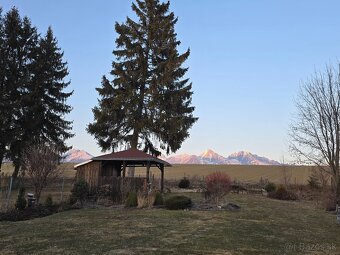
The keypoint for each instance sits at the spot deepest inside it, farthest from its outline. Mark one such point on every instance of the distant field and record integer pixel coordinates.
(69, 172)
(299, 174)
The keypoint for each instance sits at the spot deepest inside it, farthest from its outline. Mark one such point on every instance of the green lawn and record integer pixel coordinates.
(263, 226)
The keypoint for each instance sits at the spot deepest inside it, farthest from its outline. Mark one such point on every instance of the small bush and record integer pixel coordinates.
(80, 191)
(49, 201)
(217, 186)
(104, 191)
(159, 199)
(282, 194)
(178, 203)
(314, 183)
(270, 187)
(131, 200)
(21, 203)
(184, 183)
(328, 201)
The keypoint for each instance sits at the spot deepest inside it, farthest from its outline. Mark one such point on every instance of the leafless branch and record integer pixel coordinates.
(40, 165)
(315, 137)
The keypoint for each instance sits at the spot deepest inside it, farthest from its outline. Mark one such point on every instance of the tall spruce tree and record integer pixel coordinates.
(148, 102)
(32, 100)
(48, 84)
(18, 42)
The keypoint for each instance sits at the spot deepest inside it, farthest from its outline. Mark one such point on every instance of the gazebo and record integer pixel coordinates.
(114, 164)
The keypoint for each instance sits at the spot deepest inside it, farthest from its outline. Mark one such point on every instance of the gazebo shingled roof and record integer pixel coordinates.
(130, 155)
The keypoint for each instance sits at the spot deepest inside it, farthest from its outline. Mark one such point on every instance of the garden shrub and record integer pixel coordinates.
(131, 200)
(270, 187)
(159, 199)
(29, 213)
(104, 191)
(282, 194)
(328, 201)
(49, 201)
(217, 186)
(184, 183)
(178, 203)
(80, 191)
(314, 183)
(21, 202)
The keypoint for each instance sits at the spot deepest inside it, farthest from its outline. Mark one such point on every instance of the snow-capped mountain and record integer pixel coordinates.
(247, 158)
(77, 156)
(183, 159)
(213, 158)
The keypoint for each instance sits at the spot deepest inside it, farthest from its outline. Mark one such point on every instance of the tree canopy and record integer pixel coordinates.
(147, 104)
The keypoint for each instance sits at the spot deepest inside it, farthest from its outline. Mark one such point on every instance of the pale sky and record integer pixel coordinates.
(247, 61)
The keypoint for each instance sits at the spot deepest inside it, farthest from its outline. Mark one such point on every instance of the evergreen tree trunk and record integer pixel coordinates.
(134, 145)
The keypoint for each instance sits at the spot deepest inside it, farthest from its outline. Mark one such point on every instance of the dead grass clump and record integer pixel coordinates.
(141, 200)
(151, 199)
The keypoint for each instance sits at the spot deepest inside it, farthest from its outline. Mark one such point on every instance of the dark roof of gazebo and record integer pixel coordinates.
(130, 155)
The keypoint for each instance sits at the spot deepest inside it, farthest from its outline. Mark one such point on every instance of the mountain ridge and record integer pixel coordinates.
(211, 157)
(208, 157)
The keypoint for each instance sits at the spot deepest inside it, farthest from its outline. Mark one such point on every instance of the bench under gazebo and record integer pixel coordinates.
(99, 170)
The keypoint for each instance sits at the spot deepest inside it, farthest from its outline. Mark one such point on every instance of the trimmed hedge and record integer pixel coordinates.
(178, 203)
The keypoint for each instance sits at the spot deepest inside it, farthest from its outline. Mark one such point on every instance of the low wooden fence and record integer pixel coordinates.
(118, 187)
(59, 190)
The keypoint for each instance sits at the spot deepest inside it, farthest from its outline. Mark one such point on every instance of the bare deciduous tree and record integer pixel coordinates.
(40, 165)
(315, 134)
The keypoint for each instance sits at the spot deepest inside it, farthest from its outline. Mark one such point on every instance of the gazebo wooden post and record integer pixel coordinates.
(148, 172)
(124, 168)
(162, 177)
